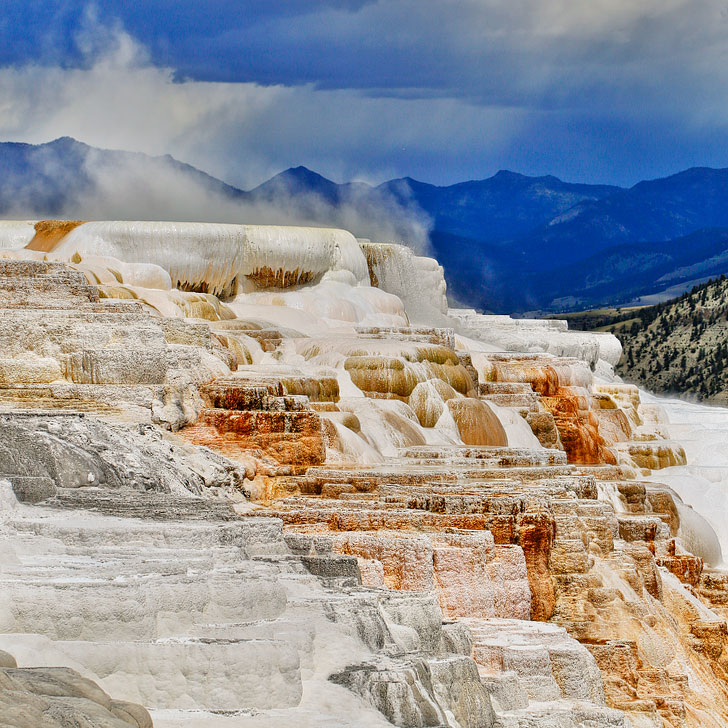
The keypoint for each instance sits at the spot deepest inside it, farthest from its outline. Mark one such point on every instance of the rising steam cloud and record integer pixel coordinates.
(118, 98)
(74, 181)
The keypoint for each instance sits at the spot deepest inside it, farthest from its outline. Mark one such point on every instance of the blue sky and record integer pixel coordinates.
(441, 90)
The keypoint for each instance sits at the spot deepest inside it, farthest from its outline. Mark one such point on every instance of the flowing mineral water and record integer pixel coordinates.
(703, 483)
(417, 281)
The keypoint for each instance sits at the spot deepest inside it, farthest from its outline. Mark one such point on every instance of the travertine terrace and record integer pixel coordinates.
(263, 476)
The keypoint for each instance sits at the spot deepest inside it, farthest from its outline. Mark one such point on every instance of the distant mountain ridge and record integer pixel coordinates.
(500, 208)
(626, 272)
(661, 209)
(42, 177)
(509, 242)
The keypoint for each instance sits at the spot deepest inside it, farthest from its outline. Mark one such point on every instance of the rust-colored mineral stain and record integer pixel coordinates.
(266, 277)
(375, 255)
(578, 429)
(290, 438)
(48, 233)
(537, 530)
(544, 379)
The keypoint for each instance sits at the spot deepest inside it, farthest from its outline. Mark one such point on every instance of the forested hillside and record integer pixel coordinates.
(680, 346)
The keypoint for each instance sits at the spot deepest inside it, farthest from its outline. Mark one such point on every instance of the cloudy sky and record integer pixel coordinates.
(440, 90)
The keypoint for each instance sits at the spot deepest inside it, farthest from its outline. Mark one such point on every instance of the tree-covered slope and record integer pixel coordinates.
(680, 346)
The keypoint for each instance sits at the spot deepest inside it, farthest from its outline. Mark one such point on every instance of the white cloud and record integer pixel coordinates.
(121, 101)
(243, 132)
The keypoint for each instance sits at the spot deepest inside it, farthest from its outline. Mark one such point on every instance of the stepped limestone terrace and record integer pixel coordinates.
(263, 476)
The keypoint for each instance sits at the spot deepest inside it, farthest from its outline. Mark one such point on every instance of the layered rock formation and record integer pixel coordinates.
(53, 697)
(239, 488)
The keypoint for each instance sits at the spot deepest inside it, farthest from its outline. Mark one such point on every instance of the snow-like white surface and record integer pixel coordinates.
(551, 336)
(703, 483)
(419, 281)
(218, 255)
(16, 234)
(172, 616)
(337, 299)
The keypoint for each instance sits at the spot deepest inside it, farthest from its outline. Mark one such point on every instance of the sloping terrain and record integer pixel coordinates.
(661, 209)
(627, 272)
(680, 346)
(238, 487)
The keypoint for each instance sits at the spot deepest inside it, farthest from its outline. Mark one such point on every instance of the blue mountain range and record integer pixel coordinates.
(508, 243)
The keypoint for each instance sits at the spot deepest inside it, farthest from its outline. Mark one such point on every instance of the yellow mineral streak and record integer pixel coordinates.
(428, 400)
(477, 423)
(49, 233)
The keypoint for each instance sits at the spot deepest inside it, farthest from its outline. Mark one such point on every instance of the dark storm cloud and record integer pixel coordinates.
(538, 53)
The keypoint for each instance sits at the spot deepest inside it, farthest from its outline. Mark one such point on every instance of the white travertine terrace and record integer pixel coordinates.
(318, 271)
(333, 302)
(220, 256)
(183, 645)
(418, 281)
(432, 483)
(702, 482)
(16, 234)
(539, 335)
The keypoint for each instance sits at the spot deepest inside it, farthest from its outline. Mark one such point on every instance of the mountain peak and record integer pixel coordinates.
(295, 180)
(303, 174)
(508, 174)
(65, 142)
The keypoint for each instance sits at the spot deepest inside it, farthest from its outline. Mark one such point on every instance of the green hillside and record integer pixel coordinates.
(679, 346)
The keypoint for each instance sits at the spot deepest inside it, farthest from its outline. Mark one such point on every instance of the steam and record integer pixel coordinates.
(118, 98)
(106, 185)
(243, 133)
